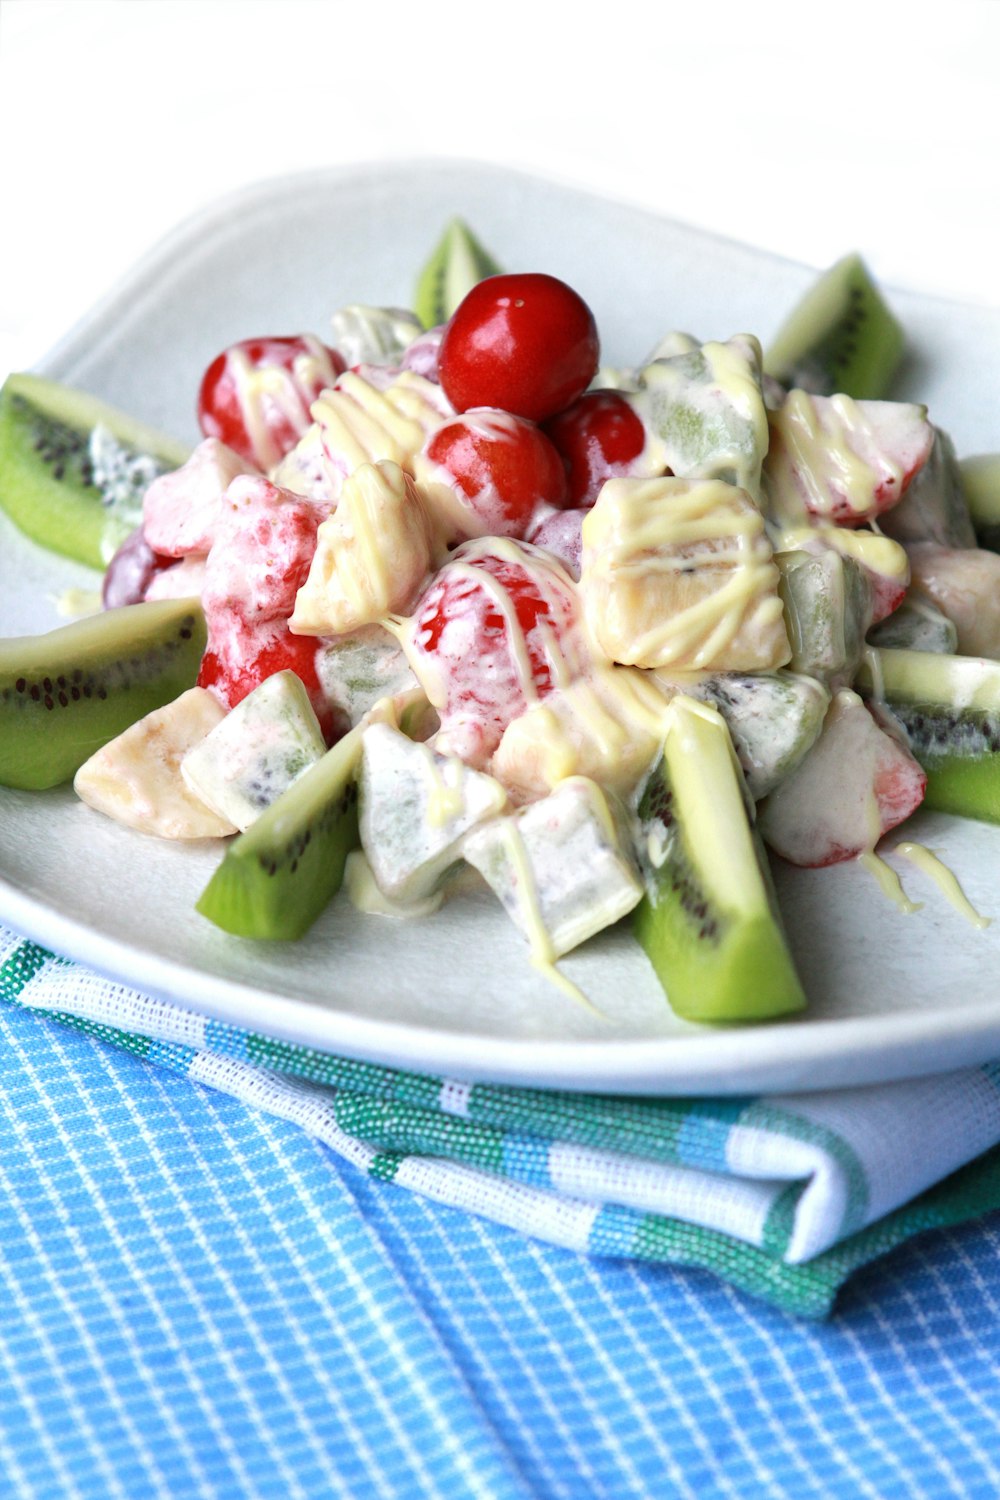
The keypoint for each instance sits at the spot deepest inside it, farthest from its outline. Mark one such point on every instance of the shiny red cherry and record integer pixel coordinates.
(526, 343)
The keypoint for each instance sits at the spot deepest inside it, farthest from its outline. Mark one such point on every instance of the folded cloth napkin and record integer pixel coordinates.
(782, 1196)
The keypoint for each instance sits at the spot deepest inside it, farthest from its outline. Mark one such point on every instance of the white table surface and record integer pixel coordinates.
(808, 132)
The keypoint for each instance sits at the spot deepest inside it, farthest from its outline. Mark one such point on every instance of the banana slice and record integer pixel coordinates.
(371, 555)
(136, 778)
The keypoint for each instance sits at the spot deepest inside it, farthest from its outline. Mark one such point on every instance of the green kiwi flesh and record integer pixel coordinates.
(949, 707)
(66, 693)
(278, 877)
(458, 262)
(980, 476)
(48, 484)
(841, 338)
(709, 920)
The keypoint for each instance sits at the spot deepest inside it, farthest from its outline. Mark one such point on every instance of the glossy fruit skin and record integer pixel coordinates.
(131, 570)
(502, 468)
(599, 437)
(526, 343)
(223, 410)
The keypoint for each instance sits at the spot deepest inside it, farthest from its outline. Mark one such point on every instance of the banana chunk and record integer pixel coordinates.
(372, 554)
(136, 778)
(607, 726)
(679, 573)
(360, 422)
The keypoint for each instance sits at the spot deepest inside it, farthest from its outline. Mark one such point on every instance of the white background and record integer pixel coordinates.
(802, 128)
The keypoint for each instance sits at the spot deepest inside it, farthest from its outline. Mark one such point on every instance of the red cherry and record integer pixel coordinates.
(500, 469)
(599, 436)
(496, 630)
(255, 396)
(526, 343)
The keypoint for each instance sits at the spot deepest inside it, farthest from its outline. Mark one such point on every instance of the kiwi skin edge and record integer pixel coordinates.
(842, 337)
(709, 921)
(278, 876)
(66, 693)
(949, 708)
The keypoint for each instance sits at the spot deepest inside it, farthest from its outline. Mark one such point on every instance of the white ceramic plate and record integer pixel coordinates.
(890, 995)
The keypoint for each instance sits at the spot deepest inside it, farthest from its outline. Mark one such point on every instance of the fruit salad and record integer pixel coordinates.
(440, 593)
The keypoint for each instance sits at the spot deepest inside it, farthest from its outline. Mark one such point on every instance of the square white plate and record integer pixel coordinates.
(890, 995)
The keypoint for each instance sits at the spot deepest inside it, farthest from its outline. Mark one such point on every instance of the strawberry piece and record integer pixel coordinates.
(262, 551)
(239, 658)
(258, 562)
(498, 629)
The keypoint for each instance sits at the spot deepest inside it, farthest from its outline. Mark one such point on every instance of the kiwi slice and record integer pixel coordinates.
(980, 479)
(841, 338)
(459, 261)
(709, 920)
(73, 470)
(279, 875)
(66, 693)
(949, 707)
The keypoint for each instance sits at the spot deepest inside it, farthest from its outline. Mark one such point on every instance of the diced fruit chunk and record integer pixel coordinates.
(855, 784)
(558, 866)
(841, 460)
(679, 573)
(136, 778)
(949, 708)
(964, 583)
(416, 807)
(706, 409)
(772, 717)
(182, 512)
(280, 875)
(372, 555)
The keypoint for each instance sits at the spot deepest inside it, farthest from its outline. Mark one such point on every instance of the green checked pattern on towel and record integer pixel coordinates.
(784, 1196)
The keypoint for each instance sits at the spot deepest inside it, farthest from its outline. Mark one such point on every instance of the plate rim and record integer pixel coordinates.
(640, 1066)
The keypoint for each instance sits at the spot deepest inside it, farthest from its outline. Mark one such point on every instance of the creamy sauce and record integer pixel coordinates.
(945, 879)
(674, 571)
(888, 881)
(75, 604)
(360, 424)
(817, 457)
(262, 391)
(365, 895)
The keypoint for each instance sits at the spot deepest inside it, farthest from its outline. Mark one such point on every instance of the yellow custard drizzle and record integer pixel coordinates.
(888, 881)
(945, 879)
